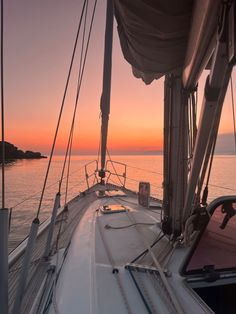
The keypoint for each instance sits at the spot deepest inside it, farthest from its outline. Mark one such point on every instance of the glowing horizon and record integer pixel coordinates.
(37, 58)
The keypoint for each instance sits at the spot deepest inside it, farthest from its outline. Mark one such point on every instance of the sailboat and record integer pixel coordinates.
(126, 252)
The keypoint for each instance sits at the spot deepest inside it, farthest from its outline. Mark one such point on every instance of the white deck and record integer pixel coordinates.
(86, 283)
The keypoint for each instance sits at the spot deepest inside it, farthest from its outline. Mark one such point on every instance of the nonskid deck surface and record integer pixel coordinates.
(101, 273)
(106, 264)
(38, 266)
(110, 268)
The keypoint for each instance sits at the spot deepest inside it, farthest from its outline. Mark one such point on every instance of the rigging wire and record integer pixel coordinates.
(131, 179)
(211, 160)
(68, 168)
(65, 160)
(144, 253)
(232, 98)
(99, 148)
(205, 192)
(83, 67)
(61, 109)
(114, 168)
(76, 106)
(222, 187)
(2, 114)
(79, 78)
(211, 153)
(145, 170)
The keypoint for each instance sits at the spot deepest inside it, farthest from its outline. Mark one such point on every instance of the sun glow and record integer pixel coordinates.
(35, 81)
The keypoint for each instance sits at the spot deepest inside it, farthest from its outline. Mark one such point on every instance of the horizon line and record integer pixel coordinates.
(226, 153)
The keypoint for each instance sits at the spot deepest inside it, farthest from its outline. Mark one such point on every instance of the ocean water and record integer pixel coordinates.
(24, 180)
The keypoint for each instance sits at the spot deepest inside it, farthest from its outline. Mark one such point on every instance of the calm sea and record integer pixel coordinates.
(24, 180)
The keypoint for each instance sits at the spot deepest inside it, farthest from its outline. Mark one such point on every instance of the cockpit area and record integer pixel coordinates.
(210, 268)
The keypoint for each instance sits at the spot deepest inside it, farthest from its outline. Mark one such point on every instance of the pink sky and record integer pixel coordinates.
(38, 43)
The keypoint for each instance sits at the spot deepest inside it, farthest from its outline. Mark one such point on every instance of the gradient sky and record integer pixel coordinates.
(39, 37)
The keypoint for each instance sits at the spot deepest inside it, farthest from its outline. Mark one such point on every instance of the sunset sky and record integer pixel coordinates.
(39, 37)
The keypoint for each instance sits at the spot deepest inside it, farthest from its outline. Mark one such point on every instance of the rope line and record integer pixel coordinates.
(232, 98)
(130, 225)
(65, 160)
(2, 113)
(61, 109)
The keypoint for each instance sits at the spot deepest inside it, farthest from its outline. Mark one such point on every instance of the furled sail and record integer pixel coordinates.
(153, 35)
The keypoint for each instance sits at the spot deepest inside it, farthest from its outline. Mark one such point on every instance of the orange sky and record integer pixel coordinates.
(39, 38)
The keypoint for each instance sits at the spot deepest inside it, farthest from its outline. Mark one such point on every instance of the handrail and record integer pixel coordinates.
(19, 250)
(145, 170)
(36, 195)
(115, 172)
(87, 176)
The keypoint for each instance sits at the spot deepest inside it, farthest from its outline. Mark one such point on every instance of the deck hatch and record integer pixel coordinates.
(115, 208)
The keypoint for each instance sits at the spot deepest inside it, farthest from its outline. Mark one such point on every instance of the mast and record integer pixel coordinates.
(179, 200)
(106, 90)
(175, 153)
(214, 94)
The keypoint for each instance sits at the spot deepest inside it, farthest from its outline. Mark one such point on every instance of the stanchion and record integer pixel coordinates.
(4, 260)
(52, 225)
(25, 266)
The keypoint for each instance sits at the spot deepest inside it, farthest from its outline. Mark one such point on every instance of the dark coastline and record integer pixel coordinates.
(12, 154)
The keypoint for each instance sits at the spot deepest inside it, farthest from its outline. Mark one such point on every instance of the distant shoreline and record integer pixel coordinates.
(135, 154)
(12, 153)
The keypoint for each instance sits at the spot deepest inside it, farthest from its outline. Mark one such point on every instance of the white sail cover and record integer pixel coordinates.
(153, 34)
